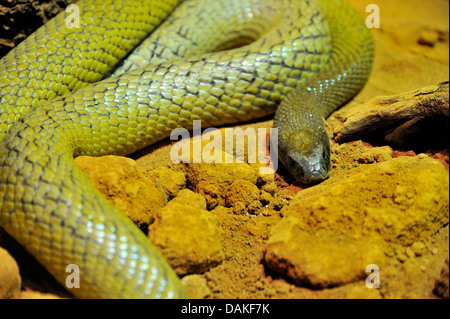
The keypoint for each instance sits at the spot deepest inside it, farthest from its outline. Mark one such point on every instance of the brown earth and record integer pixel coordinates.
(244, 234)
(21, 17)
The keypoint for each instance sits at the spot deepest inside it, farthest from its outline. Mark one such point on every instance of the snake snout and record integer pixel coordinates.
(305, 153)
(309, 168)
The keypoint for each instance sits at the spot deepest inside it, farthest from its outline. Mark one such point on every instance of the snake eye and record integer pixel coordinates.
(295, 168)
(292, 162)
(326, 161)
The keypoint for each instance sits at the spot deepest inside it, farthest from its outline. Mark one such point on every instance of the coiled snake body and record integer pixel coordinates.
(318, 50)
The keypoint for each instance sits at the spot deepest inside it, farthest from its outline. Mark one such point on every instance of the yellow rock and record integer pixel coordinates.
(242, 194)
(187, 234)
(125, 185)
(196, 286)
(36, 295)
(320, 259)
(335, 229)
(212, 180)
(413, 276)
(270, 188)
(188, 197)
(442, 284)
(356, 290)
(171, 181)
(355, 153)
(10, 280)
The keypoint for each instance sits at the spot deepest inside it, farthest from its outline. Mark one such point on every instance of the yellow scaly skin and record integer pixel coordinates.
(48, 205)
(57, 59)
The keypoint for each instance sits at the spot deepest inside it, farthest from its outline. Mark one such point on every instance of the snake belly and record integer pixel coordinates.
(50, 207)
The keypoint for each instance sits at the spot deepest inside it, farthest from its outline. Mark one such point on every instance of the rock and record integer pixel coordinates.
(270, 188)
(429, 37)
(355, 153)
(265, 178)
(36, 295)
(442, 284)
(410, 276)
(376, 154)
(242, 194)
(265, 197)
(356, 290)
(188, 197)
(10, 280)
(321, 259)
(171, 181)
(281, 199)
(124, 185)
(418, 248)
(187, 234)
(196, 286)
(381, 154)
(335, 229)
(213, 194)
(212, 180)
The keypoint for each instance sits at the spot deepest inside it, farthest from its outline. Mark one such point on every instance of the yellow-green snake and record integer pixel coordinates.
(47, 204)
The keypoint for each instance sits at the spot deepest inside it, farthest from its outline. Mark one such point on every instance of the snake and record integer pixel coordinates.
(67, 91)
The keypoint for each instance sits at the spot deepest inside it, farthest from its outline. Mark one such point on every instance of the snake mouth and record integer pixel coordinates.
(315, 174)
(310, 168)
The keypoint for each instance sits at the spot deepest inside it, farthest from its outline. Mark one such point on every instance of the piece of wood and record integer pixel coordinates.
(396, 118)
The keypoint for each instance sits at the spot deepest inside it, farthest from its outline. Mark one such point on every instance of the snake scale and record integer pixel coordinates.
(316, 53)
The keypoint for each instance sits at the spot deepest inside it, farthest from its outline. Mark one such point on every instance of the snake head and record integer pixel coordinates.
(306, 155)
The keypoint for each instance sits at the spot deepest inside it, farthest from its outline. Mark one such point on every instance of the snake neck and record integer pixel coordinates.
(304, 146)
